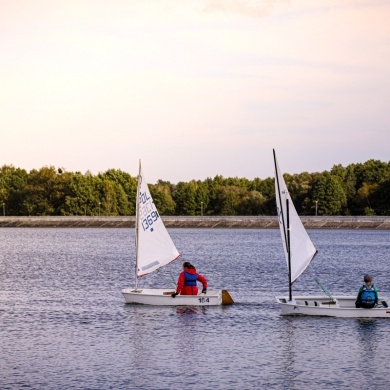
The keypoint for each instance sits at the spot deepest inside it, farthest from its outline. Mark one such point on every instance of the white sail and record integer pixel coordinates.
(155, 247)
(302, 250)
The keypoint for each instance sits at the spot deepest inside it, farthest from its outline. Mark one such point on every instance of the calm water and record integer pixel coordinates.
(64, 324)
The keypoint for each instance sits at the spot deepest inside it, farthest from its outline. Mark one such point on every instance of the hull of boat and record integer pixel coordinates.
(162, 297)
(342, 306)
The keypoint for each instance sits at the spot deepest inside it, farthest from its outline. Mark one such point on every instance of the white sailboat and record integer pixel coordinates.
(299, 252)
(155, 249)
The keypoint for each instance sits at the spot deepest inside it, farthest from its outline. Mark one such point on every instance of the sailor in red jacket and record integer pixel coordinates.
(186, 284)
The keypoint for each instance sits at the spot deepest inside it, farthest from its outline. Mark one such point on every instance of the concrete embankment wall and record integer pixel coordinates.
(260, 222)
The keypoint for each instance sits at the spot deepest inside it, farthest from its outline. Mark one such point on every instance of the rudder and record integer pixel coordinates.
(226, 298)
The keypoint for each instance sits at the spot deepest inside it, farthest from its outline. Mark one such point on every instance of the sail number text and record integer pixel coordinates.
(147, 211)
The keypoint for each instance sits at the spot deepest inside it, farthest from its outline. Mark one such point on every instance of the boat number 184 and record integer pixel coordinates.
(203, 300)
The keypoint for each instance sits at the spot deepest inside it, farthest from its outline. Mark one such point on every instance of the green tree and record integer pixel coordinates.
(211, 188)
(125, 186)
(229, 200)
(41, 194)
(329, 193)
(251, 203)
(354, 190)
(380, 198)
(267, 189)
(82, 196)
(363, 197)
(12, 182)
(299, 186)
(161, 194)
(184, 196)
(371, 172)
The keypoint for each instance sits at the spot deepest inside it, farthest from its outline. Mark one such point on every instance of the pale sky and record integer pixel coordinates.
(194, 88)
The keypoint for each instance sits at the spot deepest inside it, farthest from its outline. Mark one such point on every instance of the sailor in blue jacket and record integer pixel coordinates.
(368, 294)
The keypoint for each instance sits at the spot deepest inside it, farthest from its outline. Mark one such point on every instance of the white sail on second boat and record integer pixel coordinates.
(298, 246)
(299, 252)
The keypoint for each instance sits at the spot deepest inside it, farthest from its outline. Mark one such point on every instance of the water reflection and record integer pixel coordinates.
(138, 334)
(370, 336)
(367, 335)
(290, 343)
(191, 310)
(187, 330)
(149, 331)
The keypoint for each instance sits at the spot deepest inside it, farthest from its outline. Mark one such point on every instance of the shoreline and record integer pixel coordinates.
(244, 222)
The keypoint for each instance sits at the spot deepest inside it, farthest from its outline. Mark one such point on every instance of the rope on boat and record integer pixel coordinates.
(324, 289)
(167, 278)
(173, 280)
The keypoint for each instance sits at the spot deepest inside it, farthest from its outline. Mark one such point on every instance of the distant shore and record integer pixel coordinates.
(244, 222)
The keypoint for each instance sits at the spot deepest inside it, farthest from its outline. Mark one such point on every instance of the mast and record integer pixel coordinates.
(136, 225)
(286, 229)
(280, 212)
(289, 252)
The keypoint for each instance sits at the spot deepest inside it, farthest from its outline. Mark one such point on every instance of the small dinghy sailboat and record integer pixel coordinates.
(299, 252)
(155, 249)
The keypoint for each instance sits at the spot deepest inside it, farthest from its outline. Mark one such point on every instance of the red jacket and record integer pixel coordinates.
(189, 290)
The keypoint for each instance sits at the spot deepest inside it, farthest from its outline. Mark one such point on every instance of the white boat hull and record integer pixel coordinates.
(344, 306)
(162, 297)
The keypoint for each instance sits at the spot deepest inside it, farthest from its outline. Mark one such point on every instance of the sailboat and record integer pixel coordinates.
(155, 249)
(299, 251)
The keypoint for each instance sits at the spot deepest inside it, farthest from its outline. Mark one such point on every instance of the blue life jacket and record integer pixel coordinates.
(190, 279)
(368, 296)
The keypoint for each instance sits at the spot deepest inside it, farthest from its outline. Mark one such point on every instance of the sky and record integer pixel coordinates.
(194, 88)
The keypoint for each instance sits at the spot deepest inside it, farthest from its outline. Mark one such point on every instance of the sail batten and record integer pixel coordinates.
(155, 247)
(301, 250)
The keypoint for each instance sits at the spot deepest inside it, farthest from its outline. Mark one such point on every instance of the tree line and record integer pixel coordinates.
(358, 189)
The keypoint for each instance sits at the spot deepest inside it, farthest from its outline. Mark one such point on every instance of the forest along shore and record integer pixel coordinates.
(245, 222)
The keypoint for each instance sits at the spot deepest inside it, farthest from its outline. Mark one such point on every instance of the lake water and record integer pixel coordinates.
(64, 323)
